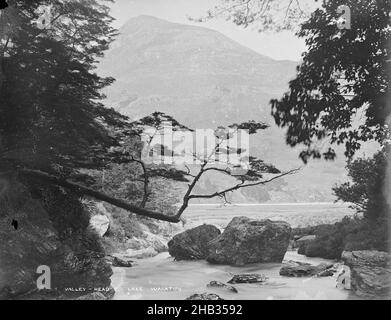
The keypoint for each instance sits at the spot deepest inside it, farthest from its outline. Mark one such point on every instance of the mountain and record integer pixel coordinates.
(186, 71)
(204, 79)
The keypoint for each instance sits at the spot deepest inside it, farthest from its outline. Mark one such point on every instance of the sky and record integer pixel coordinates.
(279, 46)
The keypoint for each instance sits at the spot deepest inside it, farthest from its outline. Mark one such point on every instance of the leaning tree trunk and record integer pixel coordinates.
(84, 191)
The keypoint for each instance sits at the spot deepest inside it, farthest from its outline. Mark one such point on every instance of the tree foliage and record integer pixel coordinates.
(51, 115)
(342, 88)
(255, 173)
(266, 15)
(366, 189)
(213, 158)
(54, 128)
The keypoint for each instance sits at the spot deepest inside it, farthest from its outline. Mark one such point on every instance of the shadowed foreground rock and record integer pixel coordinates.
(193, 244)
(247, 241)
(204, 296)
(370, 272)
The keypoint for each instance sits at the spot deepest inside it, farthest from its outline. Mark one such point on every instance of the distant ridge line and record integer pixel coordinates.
(269, 204)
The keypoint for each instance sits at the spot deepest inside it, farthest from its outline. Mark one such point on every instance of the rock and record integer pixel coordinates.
(326, 273)
(305, 239)
(250, 241)
(323, 241)
(142, 253)
(53, 231)
(150, 241)
(118, 262)
(220, 285)
(92, 296)
(100, 223)
(299, 269)
(156, 242)
(370, 272)
(248, 278)
(193, 244)
(303, 242)
(204, 296)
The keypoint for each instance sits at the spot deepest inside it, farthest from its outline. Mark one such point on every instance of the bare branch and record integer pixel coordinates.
(188, 172)
(242, 185)
(84, 191)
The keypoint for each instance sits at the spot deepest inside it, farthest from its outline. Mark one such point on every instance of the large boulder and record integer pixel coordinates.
(370, 272)
(247, 241)
(193, 244)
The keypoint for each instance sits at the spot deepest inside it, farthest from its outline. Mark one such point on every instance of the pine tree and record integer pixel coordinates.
(51, 117)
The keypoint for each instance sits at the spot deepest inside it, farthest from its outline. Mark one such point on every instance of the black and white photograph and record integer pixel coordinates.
(176, 150)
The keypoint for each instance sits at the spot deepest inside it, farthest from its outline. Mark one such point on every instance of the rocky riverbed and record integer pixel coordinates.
(161, 277)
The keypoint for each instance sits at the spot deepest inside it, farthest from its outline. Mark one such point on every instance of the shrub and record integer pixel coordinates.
(348, 235)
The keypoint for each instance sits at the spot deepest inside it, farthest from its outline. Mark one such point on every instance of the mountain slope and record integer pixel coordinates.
(175, 67)
(204, 80)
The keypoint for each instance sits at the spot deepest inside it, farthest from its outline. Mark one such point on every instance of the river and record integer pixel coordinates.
(161, 277)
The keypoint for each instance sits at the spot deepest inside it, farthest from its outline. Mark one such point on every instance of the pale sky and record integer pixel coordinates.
(279, 46)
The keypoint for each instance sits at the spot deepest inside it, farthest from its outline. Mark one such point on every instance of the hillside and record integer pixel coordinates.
(204, 80)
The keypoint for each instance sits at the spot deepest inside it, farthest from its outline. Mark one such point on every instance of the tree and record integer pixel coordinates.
(341, 94)
(366, 190)
(54, 130)
(149, 126)
(217, 158)
(276, 15)
(344, 78)
(341, 90)
(149, 134)
(52, 122)
(123, 180)
(51, 117)
(257, 173)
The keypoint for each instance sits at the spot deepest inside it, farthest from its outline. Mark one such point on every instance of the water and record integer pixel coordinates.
(296, 214)
(161, 277)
